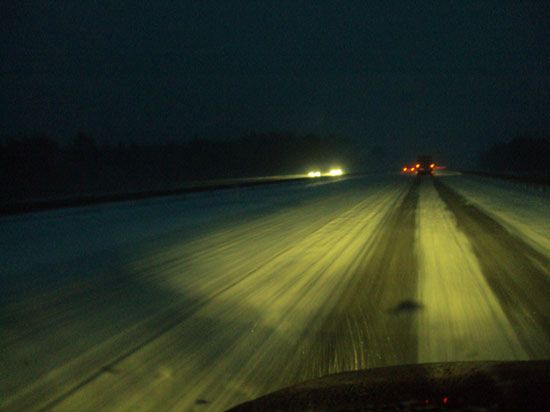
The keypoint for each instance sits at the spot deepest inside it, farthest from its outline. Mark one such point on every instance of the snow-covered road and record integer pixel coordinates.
(204, 301)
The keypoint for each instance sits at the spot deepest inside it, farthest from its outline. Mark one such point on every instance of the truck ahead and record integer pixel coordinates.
(424, 165)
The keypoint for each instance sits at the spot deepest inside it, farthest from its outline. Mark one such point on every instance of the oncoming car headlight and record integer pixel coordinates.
(314, 173)
(335, 172)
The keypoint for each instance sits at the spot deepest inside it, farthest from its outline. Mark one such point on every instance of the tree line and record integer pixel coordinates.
(38, 166)
(522, 155)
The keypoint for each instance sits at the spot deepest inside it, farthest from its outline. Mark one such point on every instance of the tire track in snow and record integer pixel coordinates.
(517, 273)
(373, 322)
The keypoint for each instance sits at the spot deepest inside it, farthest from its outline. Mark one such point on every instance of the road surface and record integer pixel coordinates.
(202, 302)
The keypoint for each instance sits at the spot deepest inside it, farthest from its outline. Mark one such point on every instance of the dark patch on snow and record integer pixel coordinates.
(110, 369)
(406, 306)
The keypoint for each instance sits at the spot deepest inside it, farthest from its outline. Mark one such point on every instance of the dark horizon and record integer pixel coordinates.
(446, 79)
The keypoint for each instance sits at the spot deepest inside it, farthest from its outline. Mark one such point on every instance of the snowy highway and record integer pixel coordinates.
(203, 301)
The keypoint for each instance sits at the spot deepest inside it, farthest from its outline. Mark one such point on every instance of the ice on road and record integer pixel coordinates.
(205, 301)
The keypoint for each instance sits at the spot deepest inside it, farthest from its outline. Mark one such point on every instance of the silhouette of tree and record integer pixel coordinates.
(37, 166)
(527, 155)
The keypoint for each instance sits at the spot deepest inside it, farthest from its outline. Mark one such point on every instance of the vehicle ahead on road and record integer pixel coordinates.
(423, 166)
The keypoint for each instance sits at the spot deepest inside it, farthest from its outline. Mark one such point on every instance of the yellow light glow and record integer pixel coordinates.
(417, 165)
(432, 165)
(405, 169)
(335, 172)
(314, 173)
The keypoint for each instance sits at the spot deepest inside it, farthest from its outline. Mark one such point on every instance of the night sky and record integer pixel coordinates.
(444, 77)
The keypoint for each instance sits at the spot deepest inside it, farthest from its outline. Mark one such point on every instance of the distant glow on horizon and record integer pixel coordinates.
(335, 172)
(314, 173)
